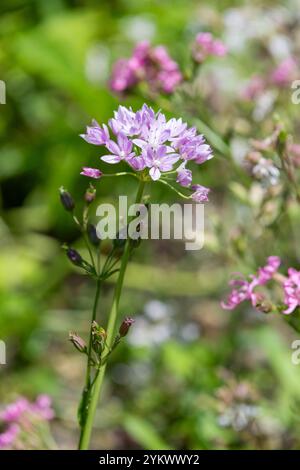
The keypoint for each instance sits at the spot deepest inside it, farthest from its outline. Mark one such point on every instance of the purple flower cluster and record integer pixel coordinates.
(148, 142)
(243, 289)
(20, 415)
(152, 65)
(206, 45)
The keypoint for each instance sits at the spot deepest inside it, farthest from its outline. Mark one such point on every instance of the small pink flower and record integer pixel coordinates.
(96, 134)
(244, 289)
(184, 177)
(205, 45)
(254, 88)
(43, 407)
(91, 172)
(292, 290)
(285, 72)
(266, 272)
(120, 151)
(14, 411)
(200, 194)
(8, 437)
(150, 64)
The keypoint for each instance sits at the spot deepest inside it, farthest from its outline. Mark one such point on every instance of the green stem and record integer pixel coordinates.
(95, 393)
(97, 295)
(87, 387)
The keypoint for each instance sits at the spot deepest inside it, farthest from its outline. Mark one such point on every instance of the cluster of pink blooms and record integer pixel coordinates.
(147, 64)
(281, 76)
(206, 45)
(22, 416)
(148, 142)
(244, 289)
(292, 290)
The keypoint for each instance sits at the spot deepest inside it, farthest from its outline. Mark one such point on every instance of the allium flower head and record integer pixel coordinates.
(151, 144)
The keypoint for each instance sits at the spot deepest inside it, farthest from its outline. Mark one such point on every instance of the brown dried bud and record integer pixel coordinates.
(125, 326)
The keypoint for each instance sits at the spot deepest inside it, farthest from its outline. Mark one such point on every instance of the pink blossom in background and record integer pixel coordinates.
(291, 288)
(152, 65)
(8, 437)
(294, 154)
(206, 45)
(285, 72)
(254, 88)
(266, 272)
(22, 417)
(243, 289)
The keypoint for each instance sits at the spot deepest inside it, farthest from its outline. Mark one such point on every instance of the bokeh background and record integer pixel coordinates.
(190, 376)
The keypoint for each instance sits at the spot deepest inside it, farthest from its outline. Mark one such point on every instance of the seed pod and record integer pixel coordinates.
(74, 257)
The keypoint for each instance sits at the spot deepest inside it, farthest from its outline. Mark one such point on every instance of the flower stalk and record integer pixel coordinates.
(95, 392)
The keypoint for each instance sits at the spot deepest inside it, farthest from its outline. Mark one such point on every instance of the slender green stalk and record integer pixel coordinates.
(96, 390)
(88, 369)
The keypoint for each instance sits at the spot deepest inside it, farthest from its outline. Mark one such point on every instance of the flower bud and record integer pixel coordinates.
(92, 234)
(125, 326)
(98, 338)
(264, 306)
(66, 200)
(90, 194)
(78, 342)
(74, 257)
